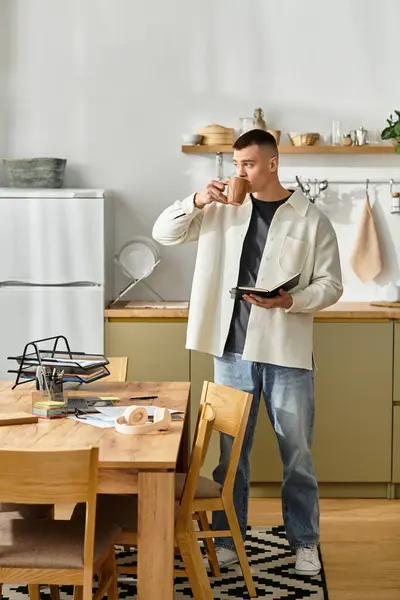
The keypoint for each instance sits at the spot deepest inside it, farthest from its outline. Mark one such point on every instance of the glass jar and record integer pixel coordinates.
(245, 124)
(335, 133)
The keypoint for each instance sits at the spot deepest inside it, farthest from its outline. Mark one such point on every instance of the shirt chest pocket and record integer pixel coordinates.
(293, 254)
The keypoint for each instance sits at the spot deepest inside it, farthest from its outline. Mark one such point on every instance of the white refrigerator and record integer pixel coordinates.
(55, 268)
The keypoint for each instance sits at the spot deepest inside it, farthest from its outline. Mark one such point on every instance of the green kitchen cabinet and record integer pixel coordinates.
(202, 369)
(396, 444)
(396, 407)
(353, 394)
(353, 398)
(265, 461)
(396, 363)
(156, 350)
(353, 391)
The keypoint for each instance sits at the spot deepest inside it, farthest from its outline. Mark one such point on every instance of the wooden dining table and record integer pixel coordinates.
(128, 464)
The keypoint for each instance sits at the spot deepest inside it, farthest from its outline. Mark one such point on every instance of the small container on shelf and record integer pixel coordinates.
(276, 134)
(259, 122)
(304, 139)
(217, 135)
(335, 133)
(346, 140)
(191, 139)
(245, 124)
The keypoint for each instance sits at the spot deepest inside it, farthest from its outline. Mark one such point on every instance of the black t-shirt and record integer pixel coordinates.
(253, 248)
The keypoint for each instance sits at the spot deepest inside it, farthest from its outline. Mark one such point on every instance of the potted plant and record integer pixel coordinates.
(392, 132)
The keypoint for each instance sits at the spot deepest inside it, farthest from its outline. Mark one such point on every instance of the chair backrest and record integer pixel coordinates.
(47, 477)
(118, 367)
(199, 451)
(51, 477)
(231, 408)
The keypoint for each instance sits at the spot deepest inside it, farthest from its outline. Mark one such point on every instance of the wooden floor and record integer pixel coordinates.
(360, 544)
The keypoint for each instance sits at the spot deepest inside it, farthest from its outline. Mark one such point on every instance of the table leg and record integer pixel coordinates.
(156, 535)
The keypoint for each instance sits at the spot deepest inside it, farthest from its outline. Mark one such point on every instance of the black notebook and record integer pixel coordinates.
(287, 285)
(86, 404)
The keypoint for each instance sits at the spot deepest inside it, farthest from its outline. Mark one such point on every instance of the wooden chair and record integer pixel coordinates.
(10, 511)
(124, 508)
(61, 552)
(185, 533)
(196, 495)
(231, 408)
(118, 367)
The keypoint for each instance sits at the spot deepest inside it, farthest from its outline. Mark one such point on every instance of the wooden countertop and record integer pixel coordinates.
(147, 310)
(340, 311)
(357, 311)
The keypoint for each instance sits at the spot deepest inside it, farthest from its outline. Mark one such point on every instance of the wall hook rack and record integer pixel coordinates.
(318, 188)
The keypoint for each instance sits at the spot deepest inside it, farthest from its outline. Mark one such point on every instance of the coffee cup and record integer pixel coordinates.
(238, 188)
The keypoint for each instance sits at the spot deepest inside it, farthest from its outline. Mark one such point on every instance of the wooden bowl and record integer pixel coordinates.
(304, 139)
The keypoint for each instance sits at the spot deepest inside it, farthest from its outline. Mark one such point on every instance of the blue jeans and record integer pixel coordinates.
(289, 398)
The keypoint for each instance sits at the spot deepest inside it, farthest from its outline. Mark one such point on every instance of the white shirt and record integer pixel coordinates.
(300, 239)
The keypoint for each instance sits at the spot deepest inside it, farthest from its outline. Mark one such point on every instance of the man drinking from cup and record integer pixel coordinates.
(259, 238)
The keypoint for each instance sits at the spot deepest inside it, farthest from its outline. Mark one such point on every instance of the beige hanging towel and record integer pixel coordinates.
(366, 258)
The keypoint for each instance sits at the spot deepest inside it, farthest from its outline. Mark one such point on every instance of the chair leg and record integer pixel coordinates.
(34, 592)
(1, 591)
(126, 570)
(209, 544)
(239, 545)
(54, 592)
(110, 567)
(78, 592)
(193, 562)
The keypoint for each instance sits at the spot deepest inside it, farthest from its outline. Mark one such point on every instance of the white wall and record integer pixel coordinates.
(4, 66)
(112, 84)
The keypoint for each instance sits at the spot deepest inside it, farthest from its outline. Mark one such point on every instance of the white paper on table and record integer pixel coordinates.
(95, 420)
(112, 412)
(108, 414)
(118, 411)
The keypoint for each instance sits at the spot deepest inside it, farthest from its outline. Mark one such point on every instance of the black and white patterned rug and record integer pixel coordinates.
(272, 565)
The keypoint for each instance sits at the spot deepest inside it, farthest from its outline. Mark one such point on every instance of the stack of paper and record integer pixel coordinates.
(49, 409)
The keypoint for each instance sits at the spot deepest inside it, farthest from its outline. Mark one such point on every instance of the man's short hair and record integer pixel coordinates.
(256, 137)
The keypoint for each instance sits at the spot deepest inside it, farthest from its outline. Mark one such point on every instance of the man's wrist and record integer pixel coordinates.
(196, 196)
(290, 307)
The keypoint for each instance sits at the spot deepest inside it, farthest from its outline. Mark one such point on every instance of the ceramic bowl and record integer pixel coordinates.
(191, 138)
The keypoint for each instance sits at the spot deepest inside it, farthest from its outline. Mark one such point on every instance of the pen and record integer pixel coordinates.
(144, 398)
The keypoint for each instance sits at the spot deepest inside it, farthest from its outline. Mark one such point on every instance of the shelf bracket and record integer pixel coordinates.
(219, 158)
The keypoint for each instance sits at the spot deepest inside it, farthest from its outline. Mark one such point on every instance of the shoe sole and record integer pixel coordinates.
(234, 561)
(308, 573)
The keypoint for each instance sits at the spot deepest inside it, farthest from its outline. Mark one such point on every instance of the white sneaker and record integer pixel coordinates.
(307, 561)
(225, 557)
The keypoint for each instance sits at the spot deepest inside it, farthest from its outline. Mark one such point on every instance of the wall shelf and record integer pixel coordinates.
(220, 150)
(367, 149)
